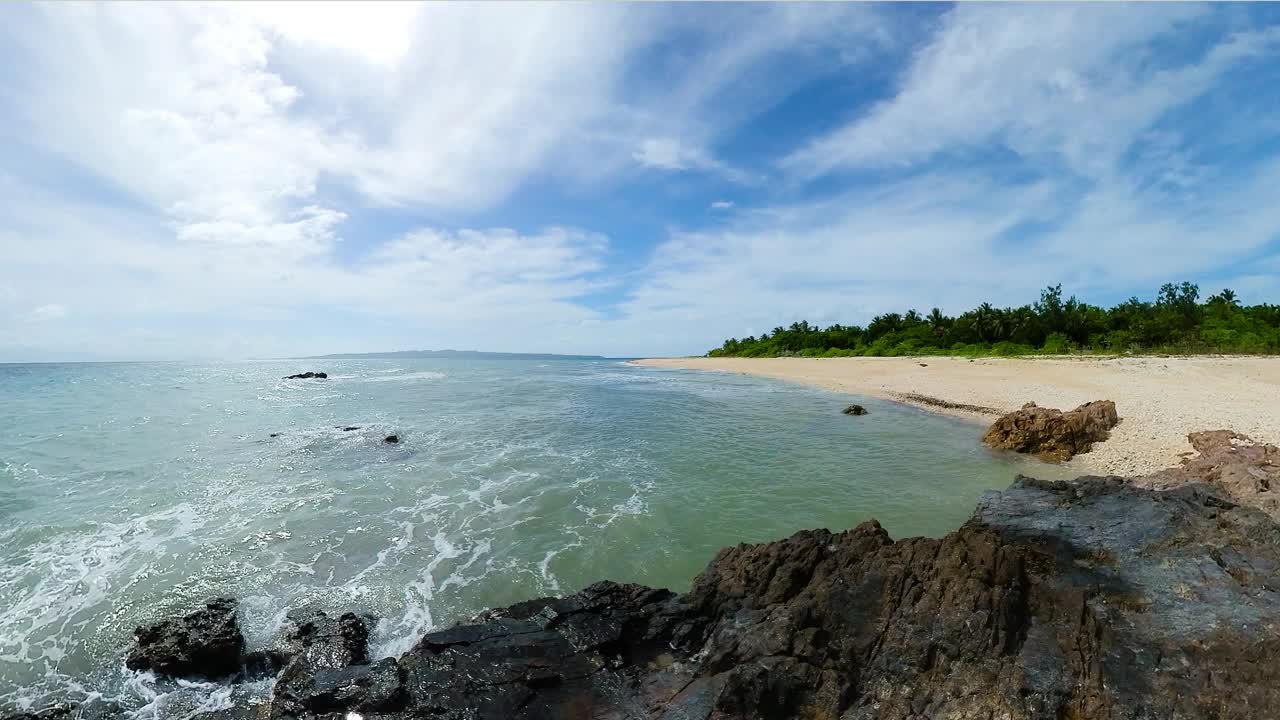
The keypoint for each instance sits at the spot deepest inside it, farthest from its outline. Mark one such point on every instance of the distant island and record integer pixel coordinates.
(1175, 323)
(411, 354)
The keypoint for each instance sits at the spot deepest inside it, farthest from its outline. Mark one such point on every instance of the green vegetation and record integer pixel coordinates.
(1176, 323)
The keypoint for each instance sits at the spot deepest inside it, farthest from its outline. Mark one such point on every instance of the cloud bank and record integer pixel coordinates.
(270, 179)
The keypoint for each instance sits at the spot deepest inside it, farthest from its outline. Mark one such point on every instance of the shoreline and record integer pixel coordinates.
(1160, 399)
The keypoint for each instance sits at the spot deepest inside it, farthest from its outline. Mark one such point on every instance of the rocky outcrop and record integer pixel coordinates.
(307, 376)
(855, 410)
(1052, 434)
(1248, 472)
(391, 439)
(203, 643)
(1084, 599)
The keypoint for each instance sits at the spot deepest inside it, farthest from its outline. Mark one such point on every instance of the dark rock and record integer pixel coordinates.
(307, 376)
(61, 711)
(393, 439)
(1052, 434)
(89, 710)
(1085, 599)
(303, 690)
(855, 410)
(347, 428)
(923, 364)
(204, 643)
(326, 640)
(276, 434)
(322, 650)
(918, 399)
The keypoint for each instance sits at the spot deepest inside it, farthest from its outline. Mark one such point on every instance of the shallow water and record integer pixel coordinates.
(132, 491)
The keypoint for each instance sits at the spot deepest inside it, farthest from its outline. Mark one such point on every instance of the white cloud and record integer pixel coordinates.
(1063, 83)
(229, 168)
(671, 154)
(45, 313)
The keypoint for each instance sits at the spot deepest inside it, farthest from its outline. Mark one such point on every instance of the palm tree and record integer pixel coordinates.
(988, 323)
(937, 321)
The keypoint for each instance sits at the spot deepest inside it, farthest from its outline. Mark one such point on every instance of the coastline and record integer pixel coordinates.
(1160, 399)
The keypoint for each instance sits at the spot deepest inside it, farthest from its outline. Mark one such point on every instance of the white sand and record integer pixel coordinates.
(1159, 400)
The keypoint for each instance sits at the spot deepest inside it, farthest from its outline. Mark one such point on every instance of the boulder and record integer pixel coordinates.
(325, 655)
(855, 410)
(203, 643)
(307, 376)
(1052, 434)
(392, 439)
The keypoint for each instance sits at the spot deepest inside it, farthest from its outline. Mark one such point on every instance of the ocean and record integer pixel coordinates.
(132, 491)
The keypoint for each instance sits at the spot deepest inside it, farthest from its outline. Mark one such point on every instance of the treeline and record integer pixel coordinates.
(1176, 322)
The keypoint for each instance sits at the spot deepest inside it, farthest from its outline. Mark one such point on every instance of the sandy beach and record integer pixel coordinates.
(1159, 399)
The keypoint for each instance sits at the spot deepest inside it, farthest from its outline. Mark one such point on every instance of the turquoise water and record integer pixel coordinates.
(132, 491)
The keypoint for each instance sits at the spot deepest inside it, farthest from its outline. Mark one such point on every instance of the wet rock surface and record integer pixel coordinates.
(203, 643)
(1053, 434)
(309, 375)
(854, 410)
(1095, 598)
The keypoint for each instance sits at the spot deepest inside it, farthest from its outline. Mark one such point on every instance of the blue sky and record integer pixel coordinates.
(183, 181)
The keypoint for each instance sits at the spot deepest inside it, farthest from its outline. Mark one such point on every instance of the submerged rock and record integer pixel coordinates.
(392, 439)
(203, 643)
(1052, 434)
(347, 428)
(307, 376)
(855, 410)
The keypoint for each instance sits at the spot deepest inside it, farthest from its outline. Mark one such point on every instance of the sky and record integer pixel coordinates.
(262, 180)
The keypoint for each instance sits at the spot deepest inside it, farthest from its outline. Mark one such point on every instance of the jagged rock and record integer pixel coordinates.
(599, 650)
(206, 643)
(326, 640)
(1248, 472)
(307, 376)
(1058, 599)
(392, 439)
(1052, 434)
(855, 410)
(321, 650)
(89, 710)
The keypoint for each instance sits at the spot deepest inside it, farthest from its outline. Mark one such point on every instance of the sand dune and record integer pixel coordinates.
(1159, 399)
